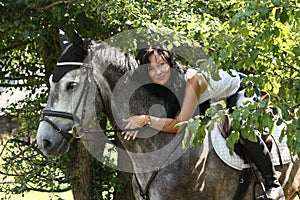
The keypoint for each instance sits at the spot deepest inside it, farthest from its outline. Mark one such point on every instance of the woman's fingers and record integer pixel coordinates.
(133, 122)
(130, 135)
(135, 134)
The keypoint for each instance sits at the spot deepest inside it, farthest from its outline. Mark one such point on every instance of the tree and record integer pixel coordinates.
(29, 51)
(259, 38)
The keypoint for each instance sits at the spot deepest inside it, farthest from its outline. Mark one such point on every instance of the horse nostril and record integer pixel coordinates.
(46, 144)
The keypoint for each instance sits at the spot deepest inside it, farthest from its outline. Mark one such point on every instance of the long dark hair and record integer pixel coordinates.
(174, 92)
(177, 81)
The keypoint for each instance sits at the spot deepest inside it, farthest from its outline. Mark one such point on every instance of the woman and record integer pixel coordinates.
(197, 89)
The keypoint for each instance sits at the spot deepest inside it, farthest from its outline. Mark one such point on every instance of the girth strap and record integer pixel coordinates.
(144, 192)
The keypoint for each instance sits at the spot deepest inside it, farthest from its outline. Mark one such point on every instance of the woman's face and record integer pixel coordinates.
(159, 69)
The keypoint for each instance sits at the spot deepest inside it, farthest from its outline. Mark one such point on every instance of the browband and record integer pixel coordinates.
(69, 63)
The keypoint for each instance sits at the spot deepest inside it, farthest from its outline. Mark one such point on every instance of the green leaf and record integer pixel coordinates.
(245, 113)
(236, 125)
(297, 136)
(245, 133)
(181, 123)
(284, 16)
(296, 51)
(279, 122)
(210, 126)
(191, 25)
(276, 32)
(253, 54)
(223, 54)
(263, 10)
(185, 138)
(276, 2)
(200, 135)
(231, 140)
(252, 136)
(193, 126)
(249, 92)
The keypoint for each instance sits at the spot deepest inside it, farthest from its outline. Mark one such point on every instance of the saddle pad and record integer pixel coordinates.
(219, 145)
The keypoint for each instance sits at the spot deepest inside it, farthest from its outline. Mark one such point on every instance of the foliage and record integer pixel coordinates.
(260, 38)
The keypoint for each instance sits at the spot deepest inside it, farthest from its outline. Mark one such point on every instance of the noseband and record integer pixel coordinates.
(52, 113)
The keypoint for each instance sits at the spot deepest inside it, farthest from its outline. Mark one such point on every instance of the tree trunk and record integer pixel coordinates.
(78, 170)
(89, 177)
(50, 54)
(125, 177)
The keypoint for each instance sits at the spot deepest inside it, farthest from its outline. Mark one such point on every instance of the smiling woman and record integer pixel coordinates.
(198, 86)
(159, 69)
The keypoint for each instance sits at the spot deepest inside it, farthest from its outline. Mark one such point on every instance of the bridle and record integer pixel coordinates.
(66, 115)
(72, 116)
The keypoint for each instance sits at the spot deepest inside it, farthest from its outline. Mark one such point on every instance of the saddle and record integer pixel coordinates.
(225, 129)
(246, 174)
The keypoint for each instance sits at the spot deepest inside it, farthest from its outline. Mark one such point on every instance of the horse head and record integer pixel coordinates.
(67, 83)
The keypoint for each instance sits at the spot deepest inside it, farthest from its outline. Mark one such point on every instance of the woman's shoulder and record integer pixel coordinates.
(196, 79)
(191, 72)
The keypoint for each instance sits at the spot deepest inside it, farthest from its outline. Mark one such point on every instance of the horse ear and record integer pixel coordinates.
(77, 40)
(63, 39)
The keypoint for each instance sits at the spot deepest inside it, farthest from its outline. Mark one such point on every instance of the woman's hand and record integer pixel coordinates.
(134, 122)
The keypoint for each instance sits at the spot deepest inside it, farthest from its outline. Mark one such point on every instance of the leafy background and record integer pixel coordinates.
(259, 38)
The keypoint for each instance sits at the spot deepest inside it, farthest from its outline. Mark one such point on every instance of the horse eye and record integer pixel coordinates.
(72, 85)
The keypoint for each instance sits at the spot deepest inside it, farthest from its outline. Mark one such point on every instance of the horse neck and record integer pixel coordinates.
(109, 74)
(109, 65)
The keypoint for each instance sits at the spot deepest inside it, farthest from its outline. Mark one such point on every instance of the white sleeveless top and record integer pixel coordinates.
(217, 89)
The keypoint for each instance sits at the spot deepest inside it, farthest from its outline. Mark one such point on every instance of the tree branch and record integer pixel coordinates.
(8, 174)
(22, 76)
(54, 4)
(17, 85)
(50, 190)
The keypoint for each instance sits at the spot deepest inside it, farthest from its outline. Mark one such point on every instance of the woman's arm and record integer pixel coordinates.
(195, 86)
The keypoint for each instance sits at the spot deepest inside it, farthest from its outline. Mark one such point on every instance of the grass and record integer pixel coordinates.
(39, 196)
(33, 195)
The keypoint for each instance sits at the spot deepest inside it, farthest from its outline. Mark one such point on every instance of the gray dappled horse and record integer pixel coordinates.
(163, 170)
